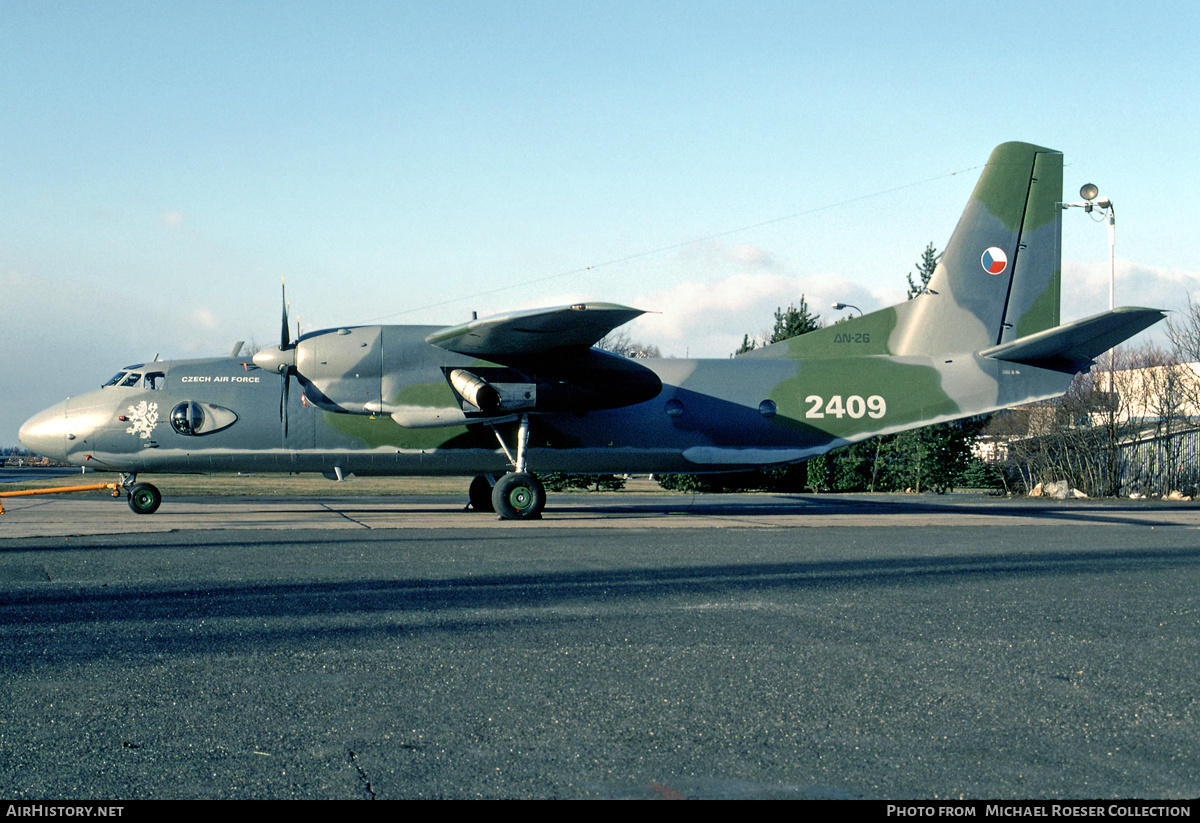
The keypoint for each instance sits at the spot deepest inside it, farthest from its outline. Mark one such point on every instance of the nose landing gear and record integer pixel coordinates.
(143, 498)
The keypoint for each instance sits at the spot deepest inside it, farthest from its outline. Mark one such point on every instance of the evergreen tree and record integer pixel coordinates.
(924, 270)
(794, 322)
(790, 322)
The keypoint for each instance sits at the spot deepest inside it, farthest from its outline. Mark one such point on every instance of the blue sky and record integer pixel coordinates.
(166, 164)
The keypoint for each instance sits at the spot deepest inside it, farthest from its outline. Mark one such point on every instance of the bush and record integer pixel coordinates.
(557, 482)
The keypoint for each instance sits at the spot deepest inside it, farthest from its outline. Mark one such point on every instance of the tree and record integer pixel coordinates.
(924, 270)
(1112, 432)
(794, 322)
(619, 342)
(790, 322)
(1183, 330)
(557, 482)
(748, 344)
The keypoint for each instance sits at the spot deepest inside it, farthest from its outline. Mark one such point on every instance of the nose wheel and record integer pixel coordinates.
(144, 498)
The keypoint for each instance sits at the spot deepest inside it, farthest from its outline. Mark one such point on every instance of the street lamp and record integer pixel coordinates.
(840, 306)
(1089, 192)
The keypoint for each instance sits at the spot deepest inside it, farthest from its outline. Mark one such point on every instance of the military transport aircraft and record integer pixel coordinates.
(506, 396)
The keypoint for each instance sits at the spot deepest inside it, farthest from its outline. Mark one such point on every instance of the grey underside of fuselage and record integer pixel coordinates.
(708, 417)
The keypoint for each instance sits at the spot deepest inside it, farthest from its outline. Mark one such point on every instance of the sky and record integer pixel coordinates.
(164, 166)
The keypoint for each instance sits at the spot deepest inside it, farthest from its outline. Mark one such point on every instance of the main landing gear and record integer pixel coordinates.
(518, 495)
(143, 498)
(480, 493)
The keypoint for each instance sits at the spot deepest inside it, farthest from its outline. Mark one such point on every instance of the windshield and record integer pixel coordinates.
(127, 378)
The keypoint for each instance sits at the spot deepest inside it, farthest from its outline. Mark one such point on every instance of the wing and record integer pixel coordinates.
(540, 331)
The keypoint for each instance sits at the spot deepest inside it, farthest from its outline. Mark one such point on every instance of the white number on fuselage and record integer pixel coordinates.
(874, 406)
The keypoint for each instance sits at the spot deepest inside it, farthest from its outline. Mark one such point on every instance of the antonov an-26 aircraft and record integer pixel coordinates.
(507, 396)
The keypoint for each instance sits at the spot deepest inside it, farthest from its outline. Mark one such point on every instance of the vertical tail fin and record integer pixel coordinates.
(1000, 275)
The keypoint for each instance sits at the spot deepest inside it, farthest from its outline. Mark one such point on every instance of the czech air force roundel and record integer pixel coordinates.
(994, 260)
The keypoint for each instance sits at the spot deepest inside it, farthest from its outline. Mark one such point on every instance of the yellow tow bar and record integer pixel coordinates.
(116, 491)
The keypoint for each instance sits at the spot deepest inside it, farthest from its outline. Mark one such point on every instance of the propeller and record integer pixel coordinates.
(281, 360)
(285, 371)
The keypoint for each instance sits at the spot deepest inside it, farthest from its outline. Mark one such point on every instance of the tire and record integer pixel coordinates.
(519, 496)
(481, 494)
(144, 498)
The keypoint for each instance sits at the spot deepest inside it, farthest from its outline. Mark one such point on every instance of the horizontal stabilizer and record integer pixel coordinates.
(534, 332)
(1072, 347)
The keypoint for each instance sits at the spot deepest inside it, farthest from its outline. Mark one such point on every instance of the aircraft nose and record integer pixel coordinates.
(46, 432)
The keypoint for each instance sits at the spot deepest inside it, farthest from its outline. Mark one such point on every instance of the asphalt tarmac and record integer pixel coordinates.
(625, 646)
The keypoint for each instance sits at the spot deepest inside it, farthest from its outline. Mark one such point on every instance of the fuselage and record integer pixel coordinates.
(223, 414)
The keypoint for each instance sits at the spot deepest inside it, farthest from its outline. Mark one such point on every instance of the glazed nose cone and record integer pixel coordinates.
(46, 432)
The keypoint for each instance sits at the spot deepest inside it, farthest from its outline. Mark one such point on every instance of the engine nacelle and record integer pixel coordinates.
(476, 391)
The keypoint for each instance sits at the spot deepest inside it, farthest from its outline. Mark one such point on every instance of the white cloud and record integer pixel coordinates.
(1086, 285)
(203, 317)
(709, 319)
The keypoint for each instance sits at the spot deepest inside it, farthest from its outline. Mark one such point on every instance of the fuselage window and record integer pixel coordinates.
(154, 380)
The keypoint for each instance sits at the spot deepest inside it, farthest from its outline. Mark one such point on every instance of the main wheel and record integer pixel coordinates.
(144, 498)
(519, 496)
(481, 494)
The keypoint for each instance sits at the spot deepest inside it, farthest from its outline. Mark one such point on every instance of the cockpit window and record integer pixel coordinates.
(153, 381)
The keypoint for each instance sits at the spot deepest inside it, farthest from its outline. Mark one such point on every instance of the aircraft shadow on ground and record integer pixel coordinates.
(82, 623)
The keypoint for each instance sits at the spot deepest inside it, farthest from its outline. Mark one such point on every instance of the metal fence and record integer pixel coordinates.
(1159, 465)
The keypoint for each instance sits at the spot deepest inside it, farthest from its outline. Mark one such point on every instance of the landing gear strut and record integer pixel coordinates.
(518, 495)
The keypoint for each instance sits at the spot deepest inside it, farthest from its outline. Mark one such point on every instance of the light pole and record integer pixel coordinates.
(1089, 192)
(840, 306)
(1104, 206)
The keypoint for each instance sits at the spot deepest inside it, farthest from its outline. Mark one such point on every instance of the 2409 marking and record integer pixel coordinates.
(874, 406)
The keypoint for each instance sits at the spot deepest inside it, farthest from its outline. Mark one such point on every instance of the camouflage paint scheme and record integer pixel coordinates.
(380, 399)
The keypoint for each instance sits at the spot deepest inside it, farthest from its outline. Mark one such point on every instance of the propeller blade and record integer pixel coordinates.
(284, 340)
(283, 400)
